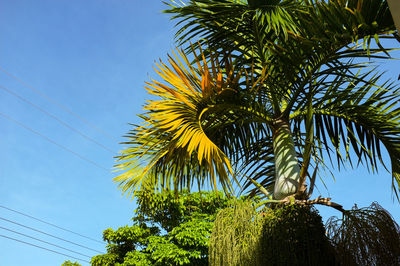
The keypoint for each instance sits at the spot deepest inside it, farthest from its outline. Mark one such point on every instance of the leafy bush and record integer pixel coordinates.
(168, 229)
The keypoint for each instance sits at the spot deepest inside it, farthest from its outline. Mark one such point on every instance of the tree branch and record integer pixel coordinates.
(319, 200)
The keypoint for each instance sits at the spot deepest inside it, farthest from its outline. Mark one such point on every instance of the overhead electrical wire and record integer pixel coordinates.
(59, 105)
(47, 234)
(9, 91)
(51, 224)
(27, 243)
(54, 142)
(40, 240)
(63, 107)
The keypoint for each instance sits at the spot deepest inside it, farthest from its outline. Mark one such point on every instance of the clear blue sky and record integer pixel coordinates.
(92, 57)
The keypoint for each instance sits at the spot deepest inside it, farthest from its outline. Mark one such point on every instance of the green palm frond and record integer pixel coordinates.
(268, 31)
(219, 20)
(356, 113)
(247, 27)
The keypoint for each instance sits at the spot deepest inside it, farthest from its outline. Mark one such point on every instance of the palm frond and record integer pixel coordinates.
(218, 20)
(197, 128)
(356, 113)
(367, 236)
(172, 141)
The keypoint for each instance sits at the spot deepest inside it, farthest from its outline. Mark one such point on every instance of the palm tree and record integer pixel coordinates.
(272, 92)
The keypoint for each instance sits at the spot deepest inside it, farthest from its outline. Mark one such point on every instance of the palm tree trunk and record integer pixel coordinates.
(287, 170)
(394, 6)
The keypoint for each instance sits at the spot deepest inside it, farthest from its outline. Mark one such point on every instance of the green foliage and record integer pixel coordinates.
(286, 235)
(69, 263)
(235, 236)
(168, 229)
(168, 210)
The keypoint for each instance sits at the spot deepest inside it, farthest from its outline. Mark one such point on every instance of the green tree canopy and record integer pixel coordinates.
(70, 263)
(168, 229)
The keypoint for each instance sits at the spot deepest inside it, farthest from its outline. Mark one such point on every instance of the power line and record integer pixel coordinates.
(56, 226)
(59, 238)
(56, 118)
(55, 143)
(69, 256)
(37, 239)
(59, 105)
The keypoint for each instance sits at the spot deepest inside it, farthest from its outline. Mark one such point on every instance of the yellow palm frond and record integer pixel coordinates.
(172, 144)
